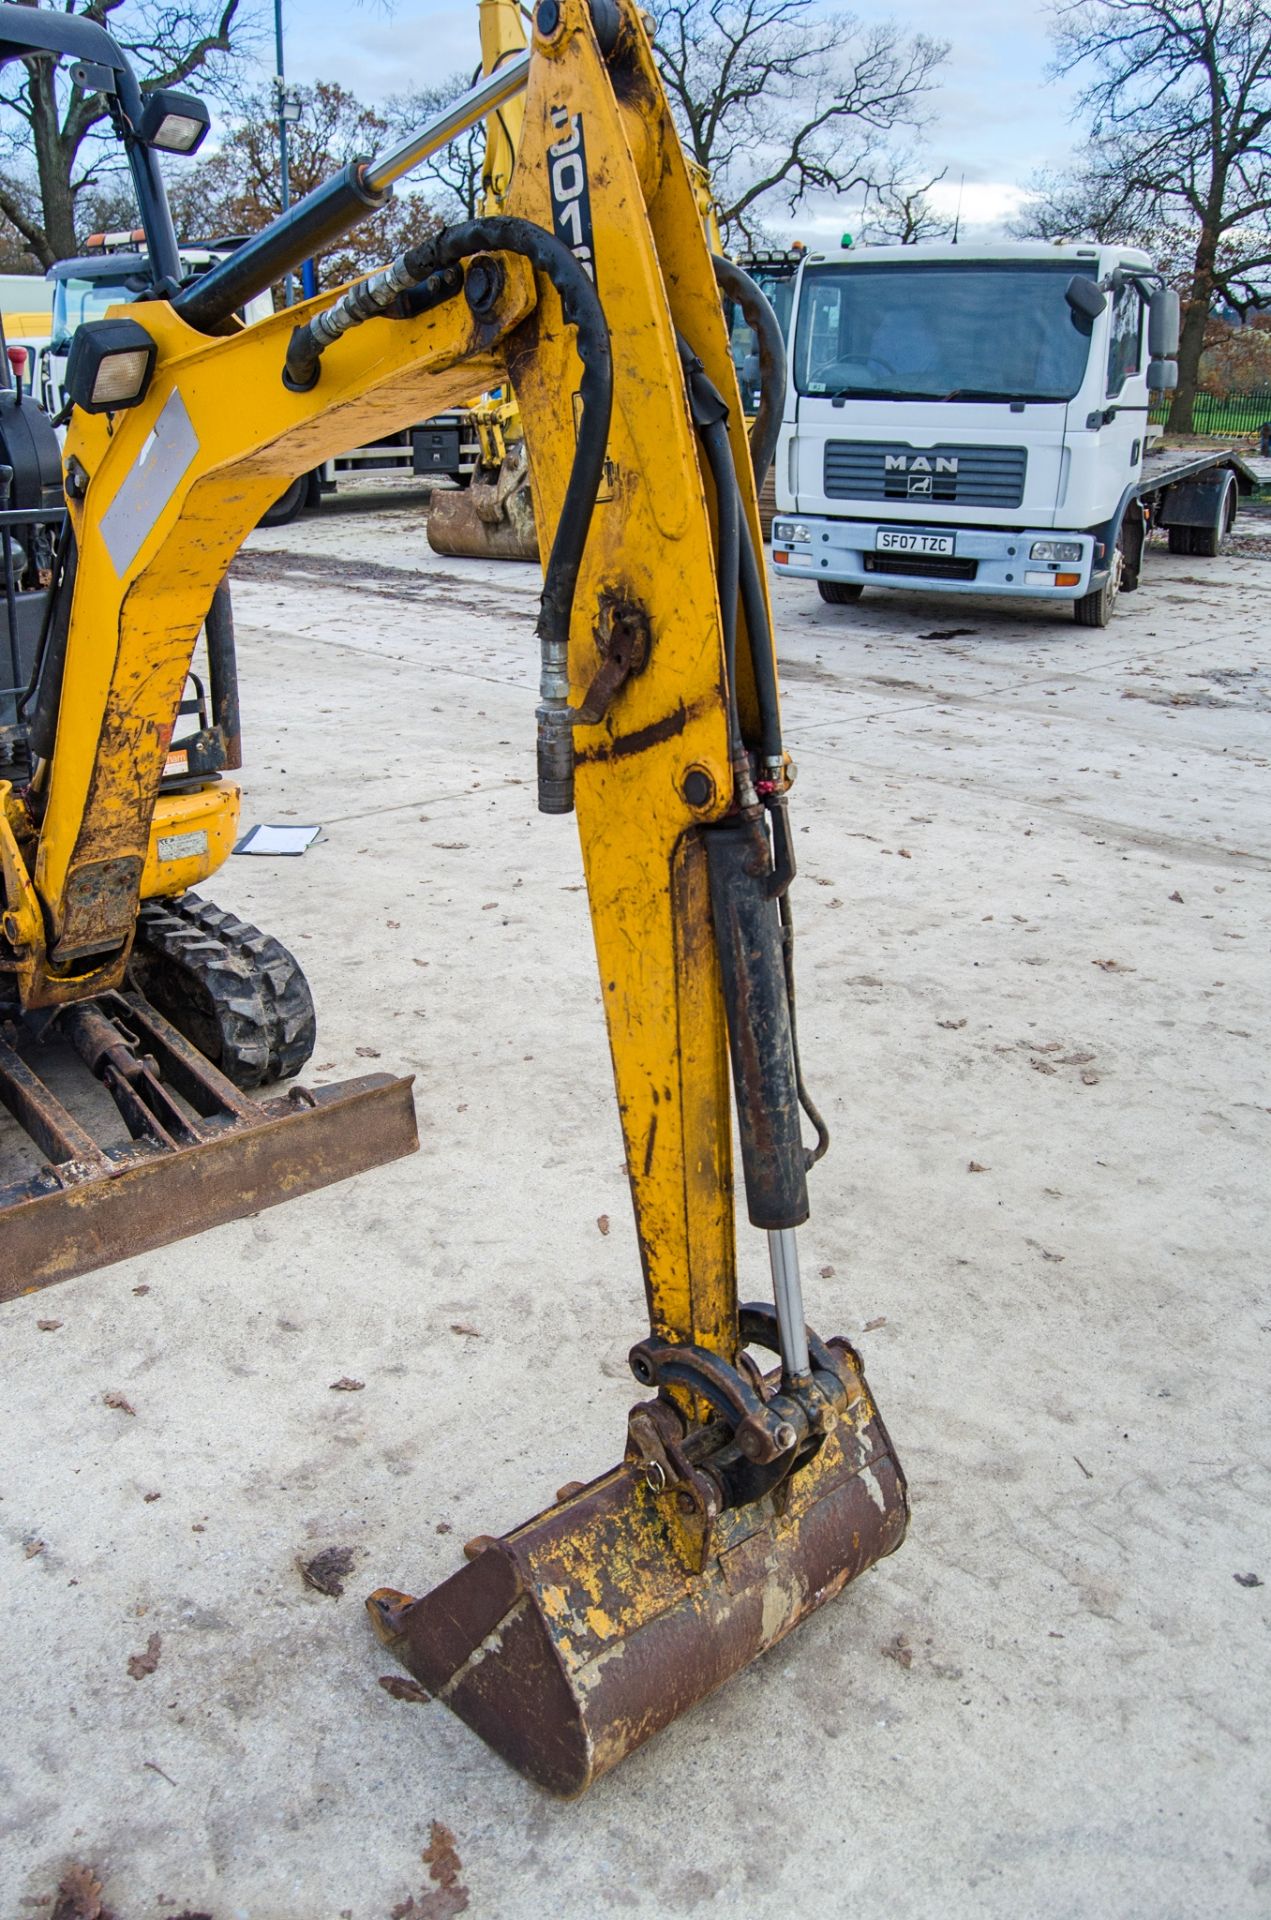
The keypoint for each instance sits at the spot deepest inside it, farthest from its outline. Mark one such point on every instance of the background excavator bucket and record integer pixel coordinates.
(571, 1641)
(489, 519)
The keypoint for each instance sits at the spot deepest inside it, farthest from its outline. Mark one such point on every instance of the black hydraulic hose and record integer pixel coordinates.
(728, 520)
(759, 315)
(759, 633)
(811, 1154)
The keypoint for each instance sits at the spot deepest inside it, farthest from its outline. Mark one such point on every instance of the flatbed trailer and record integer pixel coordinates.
(1193, 492)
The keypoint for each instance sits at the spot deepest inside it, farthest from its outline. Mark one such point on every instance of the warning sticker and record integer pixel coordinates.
(183, 846)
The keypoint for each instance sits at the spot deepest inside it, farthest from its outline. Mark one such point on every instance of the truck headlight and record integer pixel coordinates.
(790, 532)
(1056, 551)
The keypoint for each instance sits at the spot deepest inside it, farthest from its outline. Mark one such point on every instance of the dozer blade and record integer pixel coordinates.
(202, 1152)
(574, 1639)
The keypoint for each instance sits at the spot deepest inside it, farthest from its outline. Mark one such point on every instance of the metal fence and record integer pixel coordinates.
(1213, 413)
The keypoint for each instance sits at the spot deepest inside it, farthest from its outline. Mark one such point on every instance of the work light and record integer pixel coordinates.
(110, 365)
(173, 122)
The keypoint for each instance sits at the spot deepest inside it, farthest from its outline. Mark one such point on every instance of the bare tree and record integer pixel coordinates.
(45, 117)
(454, 173)
(776, 99)
(236, 189)
(901, 214)
(1179, 110)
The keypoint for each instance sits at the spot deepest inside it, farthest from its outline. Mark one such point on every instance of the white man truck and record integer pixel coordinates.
(975, 420)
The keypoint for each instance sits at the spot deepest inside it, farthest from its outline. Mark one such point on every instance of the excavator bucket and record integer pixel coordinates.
(488, 519)
(572, 1640)
(199, 1151)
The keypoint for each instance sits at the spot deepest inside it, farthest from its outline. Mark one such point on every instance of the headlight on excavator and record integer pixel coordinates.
(1056, 551)
(174, 122)
(110, 365)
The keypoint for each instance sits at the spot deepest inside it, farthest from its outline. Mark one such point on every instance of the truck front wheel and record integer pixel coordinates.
(1096, 609)
(839, 593)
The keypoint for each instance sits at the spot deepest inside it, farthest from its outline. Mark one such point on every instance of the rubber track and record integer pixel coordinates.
(275, 1039)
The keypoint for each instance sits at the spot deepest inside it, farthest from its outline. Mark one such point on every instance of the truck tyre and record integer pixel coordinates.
(839, 593)
(1207, 542)
(288, 505)
(1180, 539)
(1095, 609)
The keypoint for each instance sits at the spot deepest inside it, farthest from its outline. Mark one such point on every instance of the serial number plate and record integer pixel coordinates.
(903, 540)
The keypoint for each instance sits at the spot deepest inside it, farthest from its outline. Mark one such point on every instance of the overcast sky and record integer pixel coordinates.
(997, 118)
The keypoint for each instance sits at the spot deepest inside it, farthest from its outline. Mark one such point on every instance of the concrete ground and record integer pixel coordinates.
(1033, 915)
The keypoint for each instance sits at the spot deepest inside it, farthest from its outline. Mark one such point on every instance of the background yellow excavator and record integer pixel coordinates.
(748, 1493)
(115, 806)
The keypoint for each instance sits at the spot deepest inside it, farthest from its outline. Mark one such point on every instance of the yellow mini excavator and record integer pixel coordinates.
(757, 1478)
(114, 808)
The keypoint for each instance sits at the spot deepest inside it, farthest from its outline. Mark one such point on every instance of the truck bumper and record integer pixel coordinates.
(984, 560)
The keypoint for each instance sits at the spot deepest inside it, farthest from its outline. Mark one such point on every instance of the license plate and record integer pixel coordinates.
(907, 540)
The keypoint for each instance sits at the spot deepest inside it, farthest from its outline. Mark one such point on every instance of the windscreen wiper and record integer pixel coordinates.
(986, 393)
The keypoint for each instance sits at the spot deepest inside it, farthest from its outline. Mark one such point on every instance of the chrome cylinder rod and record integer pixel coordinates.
(787, 1292)
(494, 91)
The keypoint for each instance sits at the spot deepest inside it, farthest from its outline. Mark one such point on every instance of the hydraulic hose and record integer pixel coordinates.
(504, 233)
(757, 309)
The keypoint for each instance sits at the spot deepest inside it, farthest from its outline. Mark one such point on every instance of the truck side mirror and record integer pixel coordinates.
(1162, 376)
(1162, 323)
(1085, 297)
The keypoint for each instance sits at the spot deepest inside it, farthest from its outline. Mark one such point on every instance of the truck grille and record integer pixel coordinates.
(964, 476)
(932, 566)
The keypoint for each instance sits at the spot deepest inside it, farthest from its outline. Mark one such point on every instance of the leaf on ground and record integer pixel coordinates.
(48, 1326)
(140, 1290)
(402, 1687)
(1041, 1066)
(461, 1326)
(1057, 1258)
(33, 1547)
(79, 1897)
(367, 1053)
(1089, 1079)
(872, 1326)
(441, 1856)
(827, 1273)
(951, 1025)
(975, 1166)
(325, 1572)
(1113, 966)
(118, 1401)
(903, 853)
(1246, 1579)
(148, 1497)
(1043, 1046)
(1076, 1059)
(140, 1664)
(900, 1651)
(346, 1384)
(1177, 898)
(603, 1223)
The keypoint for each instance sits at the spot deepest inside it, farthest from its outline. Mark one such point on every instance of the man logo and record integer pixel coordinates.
(912, 463)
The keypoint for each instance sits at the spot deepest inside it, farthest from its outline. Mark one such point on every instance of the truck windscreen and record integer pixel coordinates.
(75, 301)
(968, 330)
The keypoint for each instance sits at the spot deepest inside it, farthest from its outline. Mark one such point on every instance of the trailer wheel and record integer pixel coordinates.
(1180, 539)
(839, 593)
(1207, 542)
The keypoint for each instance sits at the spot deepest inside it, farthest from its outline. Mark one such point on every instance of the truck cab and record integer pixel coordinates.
(972, 420)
